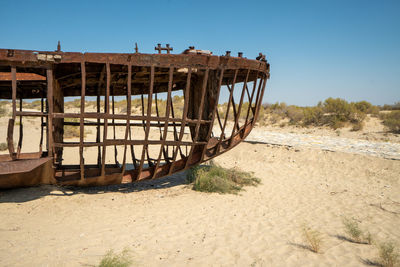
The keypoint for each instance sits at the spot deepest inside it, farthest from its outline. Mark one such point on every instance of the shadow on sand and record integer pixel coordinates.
(20, 195)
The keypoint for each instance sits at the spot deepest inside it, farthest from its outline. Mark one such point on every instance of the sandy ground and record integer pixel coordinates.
(165, 223)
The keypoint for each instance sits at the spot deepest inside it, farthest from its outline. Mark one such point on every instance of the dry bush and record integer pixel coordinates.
(71, 131)
(313, 116)
(76, 103)
(213, 178)
(392, 121)
(366, 107)
(33, 105)
(312, 238)
(295, 114)
(274, 118)
(395, 106)
(358, 126)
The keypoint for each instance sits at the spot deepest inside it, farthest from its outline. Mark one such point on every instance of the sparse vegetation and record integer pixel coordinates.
(388, 255)
(395, 106)
(333, 112)
(355, 233)
(392, 121)
(3, 146)
(3, 109)
(312, 238)
(36, 104)
(368, 238)
(352, 229)
(116, 260)
(213, 178)
(69, 130)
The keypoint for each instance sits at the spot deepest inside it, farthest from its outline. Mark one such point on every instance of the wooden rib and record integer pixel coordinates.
(128, 122)
(98, 112)
(158, 114)
(219, 119)
(164, 137)
(107, 111)
(41, 127)
(233, 101)
(112, 142)
(21, 132)
(81, 126)
(149, 102)
(264, 81)
(251, 99)
(14, 91)
(125, 117)
(240, 107)
(49, 74)
(227, 110)
(30, 113)
(159, 123)
(144, 119)
(257, 100)
(174, 127)
(199, 117)
(215, 112)
(184, 119)
(113, 125)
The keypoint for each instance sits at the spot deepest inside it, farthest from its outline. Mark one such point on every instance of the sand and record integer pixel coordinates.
(164, 222)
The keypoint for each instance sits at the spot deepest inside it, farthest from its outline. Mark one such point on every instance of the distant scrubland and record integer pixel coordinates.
(333, 112)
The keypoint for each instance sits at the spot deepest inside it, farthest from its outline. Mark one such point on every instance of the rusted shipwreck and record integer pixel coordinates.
(221, 97)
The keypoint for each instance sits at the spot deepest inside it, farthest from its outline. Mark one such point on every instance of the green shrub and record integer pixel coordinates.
(116, 260)
(392, 121)
(214, 178)
(313, 116)
(366, 107)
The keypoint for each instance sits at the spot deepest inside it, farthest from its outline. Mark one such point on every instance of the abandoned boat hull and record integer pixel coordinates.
(202, 105)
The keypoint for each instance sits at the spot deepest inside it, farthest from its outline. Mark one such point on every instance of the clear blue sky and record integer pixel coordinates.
(317, 48)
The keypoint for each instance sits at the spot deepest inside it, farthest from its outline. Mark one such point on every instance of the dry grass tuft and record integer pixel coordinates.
(213, 178)
(352, 229)
(312, 238)
(388, 255)
(355, 233)
(116, 260)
